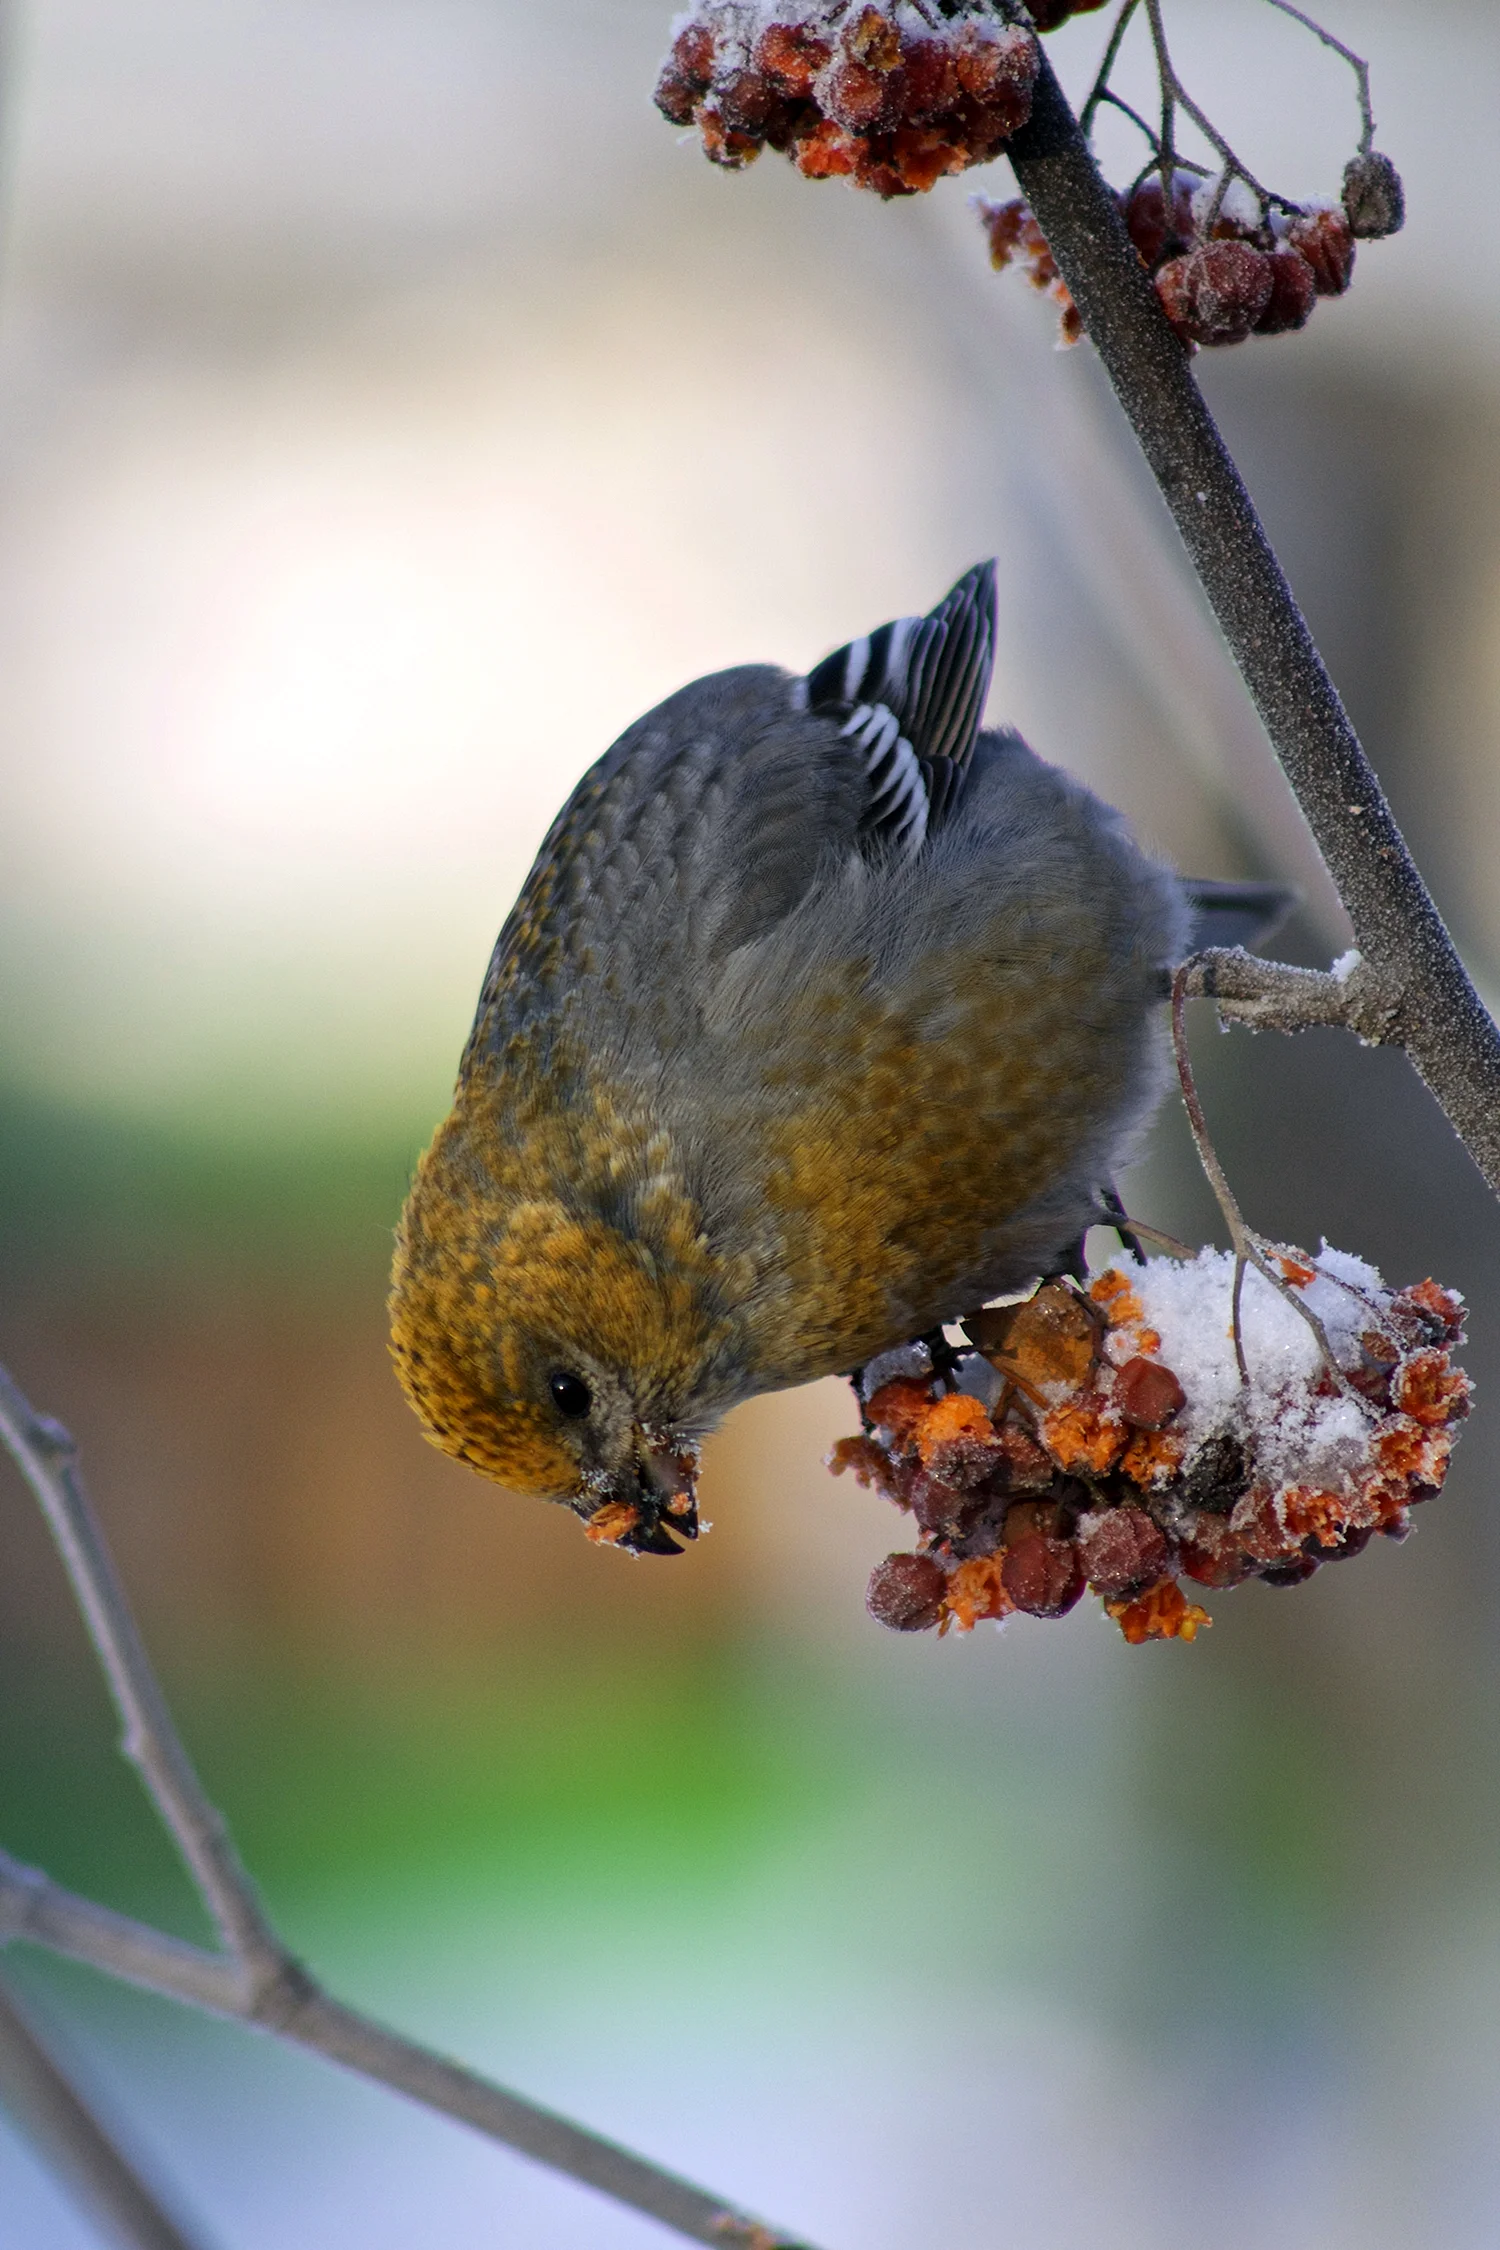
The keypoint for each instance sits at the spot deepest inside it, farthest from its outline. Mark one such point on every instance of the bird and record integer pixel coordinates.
(824, 1016)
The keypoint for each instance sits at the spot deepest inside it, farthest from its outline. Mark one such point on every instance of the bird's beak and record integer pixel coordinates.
(668, 1497)
(654, 1503)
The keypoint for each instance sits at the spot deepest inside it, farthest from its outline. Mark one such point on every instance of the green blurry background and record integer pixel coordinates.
(390, 409)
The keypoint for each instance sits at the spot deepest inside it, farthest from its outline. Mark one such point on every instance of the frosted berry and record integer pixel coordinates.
(1325, 241)
(1215, 295)
(1374, 199)
(1122, 1549)
(906, 1593)
(677, 95)
(792, 56)
(1155, 233)
(1294, 292)
(1211, 1554)
(1041, 1575)
(938, 1506)
(871, 37)
(854, 95)
(723, 143)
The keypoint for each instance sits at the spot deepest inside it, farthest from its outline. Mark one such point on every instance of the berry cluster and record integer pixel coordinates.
(1226, 265)
(892, 97)
(1016, 239)
(1104, 1436)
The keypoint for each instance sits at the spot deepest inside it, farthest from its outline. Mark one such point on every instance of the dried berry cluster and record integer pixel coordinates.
(891, 97)
(1017, 240)
(1103, 1437)
(1225, 266)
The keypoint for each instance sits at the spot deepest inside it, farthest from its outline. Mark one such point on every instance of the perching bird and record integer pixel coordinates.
(822, 1018)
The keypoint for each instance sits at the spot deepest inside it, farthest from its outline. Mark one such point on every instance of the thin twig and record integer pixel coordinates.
(1115, 102)
(1429, 1004)
(65, 2129)
(1098, 92)
(34, 1908)
(1174, 95)
(1166, 78)
(47, 1458)
(1250, 1248)
(1357, 64)
(263, 1984)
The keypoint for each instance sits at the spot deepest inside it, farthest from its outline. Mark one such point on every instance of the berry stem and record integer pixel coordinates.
(1175, 95)
(1100, 90)
(1357, 64)
(1433, 1009)
(1250, 1248)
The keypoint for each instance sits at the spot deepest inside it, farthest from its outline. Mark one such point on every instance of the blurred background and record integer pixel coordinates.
(392, 407)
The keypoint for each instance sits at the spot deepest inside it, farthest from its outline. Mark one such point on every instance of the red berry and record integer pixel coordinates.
(1437, 1312)
(1121, 1549)
(1294, 1573)
(1324, 239)
(906, 1593)
(937, 1505)
(854, 95)
(792, 55)
(693, 54)
(1022, 1465)
(724, 143)
(929, 79)
(1215, 295)
(1211, 1554)
(1146, 218)
(872, 38)
(1041, 1575)
(1148, 1394)
(676, 96)
(747, 101)
(826, 153)
(1294, 292)
(1378, 1361)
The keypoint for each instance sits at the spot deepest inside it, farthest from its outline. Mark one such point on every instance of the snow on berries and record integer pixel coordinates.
(1101, 1437)
(1221, 274)
(890, 97)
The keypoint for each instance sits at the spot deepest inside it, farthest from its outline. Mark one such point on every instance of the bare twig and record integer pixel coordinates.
(1357, 64)
(256, 1980)
(58, 2122)
(1429, 1006)
(1250, 1248)
(1100, 89)
(1174, 95)
(47, 1458)
(1274, 996)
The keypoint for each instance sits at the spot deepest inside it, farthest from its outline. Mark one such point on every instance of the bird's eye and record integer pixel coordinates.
(570, 1394)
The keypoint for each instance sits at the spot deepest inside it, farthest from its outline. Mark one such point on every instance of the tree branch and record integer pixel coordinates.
(43, 2100)
(1274, 996)
(47, 1458)
(256, 1980)
(1432, 1008)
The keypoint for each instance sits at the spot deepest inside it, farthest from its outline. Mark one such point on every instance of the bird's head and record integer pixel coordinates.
(552, 1350)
